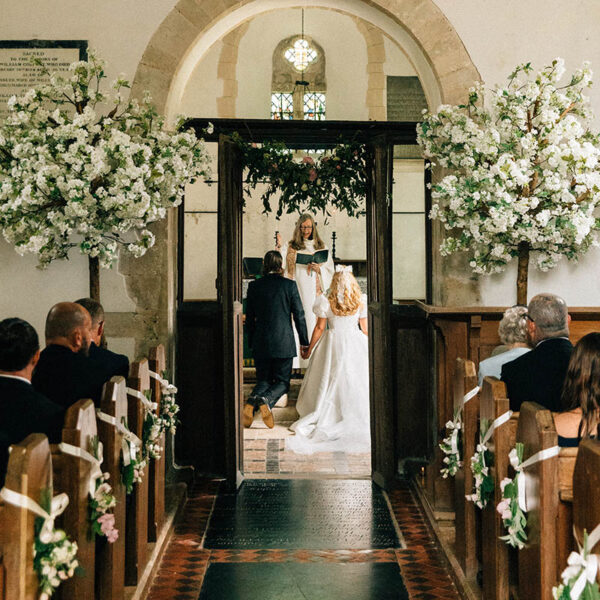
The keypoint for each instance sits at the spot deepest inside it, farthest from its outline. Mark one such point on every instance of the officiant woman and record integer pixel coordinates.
(312, 279)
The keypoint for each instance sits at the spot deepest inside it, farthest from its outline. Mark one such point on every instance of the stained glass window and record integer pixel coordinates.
(314, 106)
(282, 106)
(301, 54)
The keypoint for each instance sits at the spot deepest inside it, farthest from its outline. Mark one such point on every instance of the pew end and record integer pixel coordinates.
(586, 479)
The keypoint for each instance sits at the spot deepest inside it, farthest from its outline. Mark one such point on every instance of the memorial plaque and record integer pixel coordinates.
(405, 99)
(307, 514)
(18, 74)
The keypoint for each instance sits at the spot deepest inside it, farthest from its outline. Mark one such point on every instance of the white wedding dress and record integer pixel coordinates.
(334, 398)
(307, 288)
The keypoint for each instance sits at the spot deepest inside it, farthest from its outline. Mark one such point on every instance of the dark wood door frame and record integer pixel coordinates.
(229, 290)
(380, 138)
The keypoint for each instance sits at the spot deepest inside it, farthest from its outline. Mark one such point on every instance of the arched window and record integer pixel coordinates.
(298, 86)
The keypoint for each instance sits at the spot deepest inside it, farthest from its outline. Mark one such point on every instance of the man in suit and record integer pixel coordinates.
(64, 374)
(110, 363)
(539, 375)
(271, 303)
(22, 409)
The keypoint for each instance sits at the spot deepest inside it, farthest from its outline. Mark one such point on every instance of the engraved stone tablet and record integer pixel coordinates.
(18, 74)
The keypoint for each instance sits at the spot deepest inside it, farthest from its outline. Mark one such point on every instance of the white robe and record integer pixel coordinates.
(307, 288)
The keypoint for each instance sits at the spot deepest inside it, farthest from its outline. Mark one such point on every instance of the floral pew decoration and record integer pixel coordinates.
(579, 578)
(451, 444)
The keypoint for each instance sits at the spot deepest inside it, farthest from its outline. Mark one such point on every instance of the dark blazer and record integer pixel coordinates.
(23, 410)
(270, 305)
(109, 363)
(538, 375)
(65, 376)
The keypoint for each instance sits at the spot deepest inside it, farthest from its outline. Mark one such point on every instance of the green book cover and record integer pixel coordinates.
(319, 257)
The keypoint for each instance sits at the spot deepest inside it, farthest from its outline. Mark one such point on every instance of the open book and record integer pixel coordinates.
(319, 257)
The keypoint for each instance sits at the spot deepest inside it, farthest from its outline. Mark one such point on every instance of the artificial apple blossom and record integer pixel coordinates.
(523, 170)
(73, 177)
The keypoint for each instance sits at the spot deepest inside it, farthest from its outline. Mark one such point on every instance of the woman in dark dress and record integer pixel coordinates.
(581, 394)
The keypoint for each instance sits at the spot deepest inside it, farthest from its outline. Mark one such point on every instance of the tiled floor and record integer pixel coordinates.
(302, 539)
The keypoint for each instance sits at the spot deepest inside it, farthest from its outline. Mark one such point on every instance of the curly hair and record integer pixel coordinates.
(582, 383)
(352, 294)
(297, 241)
(513, 326)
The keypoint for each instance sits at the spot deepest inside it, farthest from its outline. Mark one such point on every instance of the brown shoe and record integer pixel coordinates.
(267, 415)
(248, 414)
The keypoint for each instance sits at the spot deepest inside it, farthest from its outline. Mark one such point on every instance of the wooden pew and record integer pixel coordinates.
(586, 479)
(71, 476)
(495, 553)
(29, 473)
(110, 558)
(549, 518)
(465, 380)
(156, 483)
(136, 542)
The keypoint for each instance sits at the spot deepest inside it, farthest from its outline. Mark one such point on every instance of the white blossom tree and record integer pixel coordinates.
(71, 177)
(524, 172)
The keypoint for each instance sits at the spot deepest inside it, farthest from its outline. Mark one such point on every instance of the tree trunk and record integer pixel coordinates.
(523, 270)
(94, 278)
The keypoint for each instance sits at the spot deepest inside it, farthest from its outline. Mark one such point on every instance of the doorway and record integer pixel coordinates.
(380, 218)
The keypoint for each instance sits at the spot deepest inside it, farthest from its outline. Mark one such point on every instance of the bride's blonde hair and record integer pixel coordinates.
(345, 295)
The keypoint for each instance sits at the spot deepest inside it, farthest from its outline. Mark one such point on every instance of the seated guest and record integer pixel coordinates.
(22, 409)
(64, 374)
(539, 375)
(581, 394)
(109, 362)
(513, 333)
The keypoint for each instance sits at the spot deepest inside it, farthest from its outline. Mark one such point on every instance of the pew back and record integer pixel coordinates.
(110, 563)
(586, 483)
(156, 494)
(465, 380)
(29, 473)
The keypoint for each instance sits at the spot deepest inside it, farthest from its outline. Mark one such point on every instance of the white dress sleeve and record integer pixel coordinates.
(321, 306)
(364, 307)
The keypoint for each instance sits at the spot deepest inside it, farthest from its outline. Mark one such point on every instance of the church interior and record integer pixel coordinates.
(467, 488)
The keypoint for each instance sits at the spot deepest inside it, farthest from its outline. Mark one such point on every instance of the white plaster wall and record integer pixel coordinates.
(500, 34)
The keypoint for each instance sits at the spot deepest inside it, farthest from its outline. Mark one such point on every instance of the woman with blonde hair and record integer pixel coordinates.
(334, 398)
(312, 278)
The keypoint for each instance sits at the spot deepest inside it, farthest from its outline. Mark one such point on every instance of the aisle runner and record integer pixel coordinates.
(346, 548)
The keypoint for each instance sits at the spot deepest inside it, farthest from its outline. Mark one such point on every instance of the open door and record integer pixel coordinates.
(379, 264)
(229, 286)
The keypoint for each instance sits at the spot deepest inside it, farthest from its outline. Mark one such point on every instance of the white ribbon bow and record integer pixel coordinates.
(96, 471)
(167, 387)
(343, 268)
(457, 423)
(57, 507)
(154, 375)
(585, 565)
(149, 406)
(130, 442)
(503, 418)
(519, 468)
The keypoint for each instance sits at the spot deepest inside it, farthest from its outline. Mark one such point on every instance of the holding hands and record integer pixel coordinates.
(305, 352)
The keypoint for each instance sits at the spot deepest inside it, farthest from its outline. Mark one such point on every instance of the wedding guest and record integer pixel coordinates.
(513, 334)
(64, 374)
(539, 375)
(312, 279)
(23, 410)
(581, 394)
(110, 363)
(271, 303)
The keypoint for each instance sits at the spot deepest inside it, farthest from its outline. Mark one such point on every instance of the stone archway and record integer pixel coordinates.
(439, 57)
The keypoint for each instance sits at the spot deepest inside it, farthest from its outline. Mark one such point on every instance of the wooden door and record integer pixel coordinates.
(229, 286)
(379, 264)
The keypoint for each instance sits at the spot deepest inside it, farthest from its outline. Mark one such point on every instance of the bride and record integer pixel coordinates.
(334, 398)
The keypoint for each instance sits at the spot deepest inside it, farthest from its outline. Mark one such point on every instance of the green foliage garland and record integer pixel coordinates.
(337, 179)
